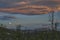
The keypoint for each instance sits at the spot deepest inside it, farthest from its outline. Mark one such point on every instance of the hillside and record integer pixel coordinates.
(6, 34)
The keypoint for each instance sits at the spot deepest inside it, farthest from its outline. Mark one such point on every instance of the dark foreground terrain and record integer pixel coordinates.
(6, 34)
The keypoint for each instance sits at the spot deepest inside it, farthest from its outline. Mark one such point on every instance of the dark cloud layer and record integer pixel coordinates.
(47, 3)
(30, 2)
(3, 5)
(6, 18)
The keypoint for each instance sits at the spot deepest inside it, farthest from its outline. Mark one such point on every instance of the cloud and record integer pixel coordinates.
(56, 0)
(10, 1)
(47, 3)
(7, 17)
(21, 3)
(29, 7)
(4, 5)
(33, 9)
(13, 3)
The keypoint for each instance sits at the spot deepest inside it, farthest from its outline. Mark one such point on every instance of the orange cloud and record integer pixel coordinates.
(33, 9)
(13, 10)
(58, 8)
(21, 3)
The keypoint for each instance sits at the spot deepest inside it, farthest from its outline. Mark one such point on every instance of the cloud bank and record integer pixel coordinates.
(29, 7)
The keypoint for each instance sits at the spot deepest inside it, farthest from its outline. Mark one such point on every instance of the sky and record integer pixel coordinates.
(28, 12)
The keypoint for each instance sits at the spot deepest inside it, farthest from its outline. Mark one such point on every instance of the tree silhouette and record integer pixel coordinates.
(18, 29)
(1, 25)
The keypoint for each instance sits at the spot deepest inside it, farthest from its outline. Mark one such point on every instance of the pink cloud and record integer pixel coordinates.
(34, 9)
(21, 3)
